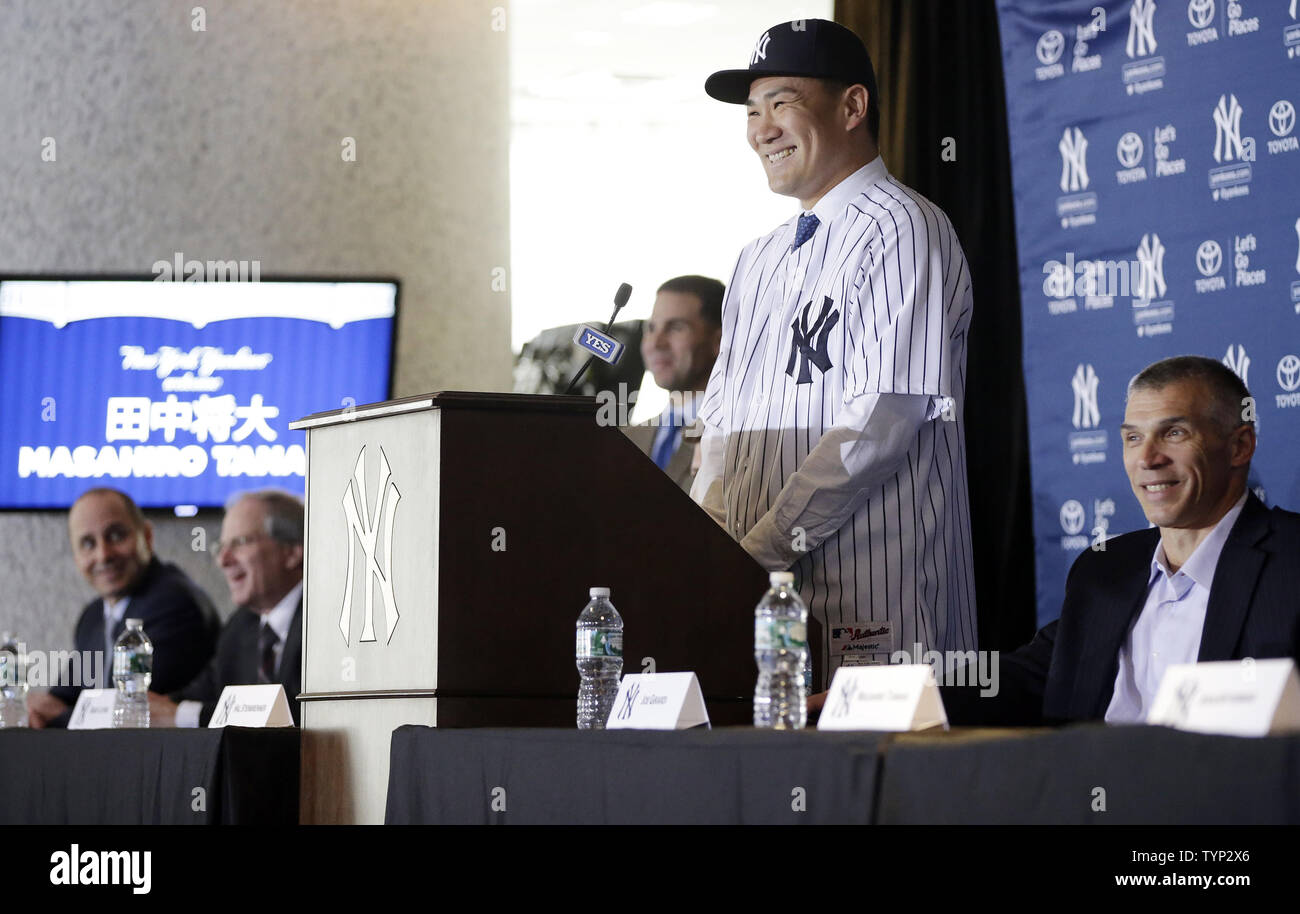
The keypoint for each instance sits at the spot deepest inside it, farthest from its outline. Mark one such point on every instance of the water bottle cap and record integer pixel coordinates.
(134, 623)
(599, 592)
(777, 578)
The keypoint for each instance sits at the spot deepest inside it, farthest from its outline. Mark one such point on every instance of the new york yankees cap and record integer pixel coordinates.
(814, 48)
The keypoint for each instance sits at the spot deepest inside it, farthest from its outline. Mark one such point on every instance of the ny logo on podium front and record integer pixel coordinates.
(365, 526)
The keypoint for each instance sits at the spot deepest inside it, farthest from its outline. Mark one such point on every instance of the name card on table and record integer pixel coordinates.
(658, 701)
(93, 710)
(252, 706)
(896, 697)
(1231, 698)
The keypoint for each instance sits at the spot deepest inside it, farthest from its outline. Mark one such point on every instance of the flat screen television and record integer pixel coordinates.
(178, 393)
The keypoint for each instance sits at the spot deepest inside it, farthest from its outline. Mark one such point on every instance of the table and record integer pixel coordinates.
(1148, 775)
(534, 776)
(740, 775)
(231, 775)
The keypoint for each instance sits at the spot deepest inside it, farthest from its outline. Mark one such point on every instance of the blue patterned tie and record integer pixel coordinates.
(807, 225)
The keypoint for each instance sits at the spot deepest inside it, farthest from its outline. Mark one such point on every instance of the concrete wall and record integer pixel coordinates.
(226, 144)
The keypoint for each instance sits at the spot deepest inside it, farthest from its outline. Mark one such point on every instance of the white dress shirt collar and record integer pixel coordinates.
(281, 617)
(836, 200)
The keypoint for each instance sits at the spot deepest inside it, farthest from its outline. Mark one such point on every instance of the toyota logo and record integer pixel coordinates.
(1072, 517)
(1200, 13)
(1209, 257)
(1049, 47)
(1281, 117)
(1288, 372)
(1129, 149)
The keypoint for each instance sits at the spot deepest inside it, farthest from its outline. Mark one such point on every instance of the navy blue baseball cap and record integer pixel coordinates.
(814, 48)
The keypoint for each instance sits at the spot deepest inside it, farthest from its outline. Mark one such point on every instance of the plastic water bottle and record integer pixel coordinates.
(132, 673)
(600, 659)
(781, 652)
(13, 682)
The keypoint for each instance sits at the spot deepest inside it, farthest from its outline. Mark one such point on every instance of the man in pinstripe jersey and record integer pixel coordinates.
(833, 442)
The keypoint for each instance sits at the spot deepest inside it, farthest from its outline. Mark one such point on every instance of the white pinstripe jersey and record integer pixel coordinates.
(880, 299)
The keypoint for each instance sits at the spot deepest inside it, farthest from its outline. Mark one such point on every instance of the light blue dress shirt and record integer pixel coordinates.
(1168, 631)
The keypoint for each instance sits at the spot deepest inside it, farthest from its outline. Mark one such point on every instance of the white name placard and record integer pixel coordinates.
(658, 701)
(1231, 698)
(252, 706)
(93, 710)
(896, 697)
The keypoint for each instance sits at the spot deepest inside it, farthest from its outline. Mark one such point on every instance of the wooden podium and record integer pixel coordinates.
(451, 542)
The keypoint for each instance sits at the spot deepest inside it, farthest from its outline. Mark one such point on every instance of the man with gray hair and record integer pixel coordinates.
(261, 555)
(1216, 578)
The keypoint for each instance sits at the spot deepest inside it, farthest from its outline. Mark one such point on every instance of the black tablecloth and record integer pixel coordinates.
(736, 775)
(232, 775)
(1147, 775)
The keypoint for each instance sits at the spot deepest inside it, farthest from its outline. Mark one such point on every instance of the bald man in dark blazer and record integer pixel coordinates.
(112, 545)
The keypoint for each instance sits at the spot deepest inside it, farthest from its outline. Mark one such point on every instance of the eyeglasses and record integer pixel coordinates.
(235, 542)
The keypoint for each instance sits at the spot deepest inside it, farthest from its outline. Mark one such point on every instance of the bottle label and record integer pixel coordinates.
(595, 643)
(780, 634)
(128, 662)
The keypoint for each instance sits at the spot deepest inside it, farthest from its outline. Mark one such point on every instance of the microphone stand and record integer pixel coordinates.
(620, 299)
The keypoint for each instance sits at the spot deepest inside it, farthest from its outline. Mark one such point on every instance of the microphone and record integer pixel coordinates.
(600, 344)
(620, 299)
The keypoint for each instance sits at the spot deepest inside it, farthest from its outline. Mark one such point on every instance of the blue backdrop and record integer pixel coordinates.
(1156, 169)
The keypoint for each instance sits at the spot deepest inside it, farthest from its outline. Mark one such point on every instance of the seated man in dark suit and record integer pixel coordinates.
(679, 344)
(1219, 579)
(261, 552)
(112, 544)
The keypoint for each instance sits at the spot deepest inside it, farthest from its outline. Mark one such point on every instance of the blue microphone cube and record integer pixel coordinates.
(601, 345)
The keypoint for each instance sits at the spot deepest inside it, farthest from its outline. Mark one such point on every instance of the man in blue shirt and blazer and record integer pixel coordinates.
(1216, 578)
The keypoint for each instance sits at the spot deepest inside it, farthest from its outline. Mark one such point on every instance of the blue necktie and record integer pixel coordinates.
(668, 446)
(807, 225)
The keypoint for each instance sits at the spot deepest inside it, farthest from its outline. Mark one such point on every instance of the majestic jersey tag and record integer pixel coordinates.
(855, 644)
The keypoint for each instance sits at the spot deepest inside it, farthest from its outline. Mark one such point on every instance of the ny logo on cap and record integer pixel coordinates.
(760, 49)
